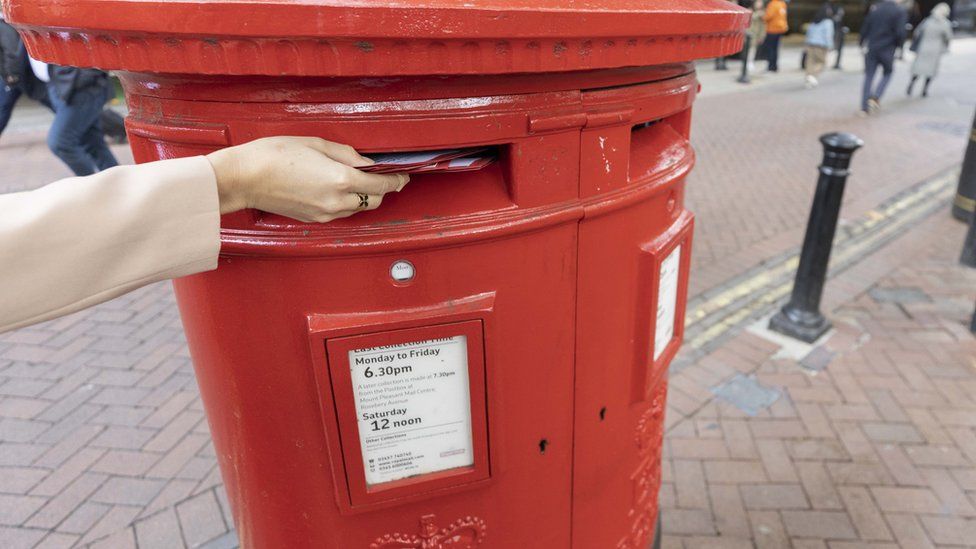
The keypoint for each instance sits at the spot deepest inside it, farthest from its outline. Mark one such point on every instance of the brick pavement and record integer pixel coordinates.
(102, 434)
(872, 439)
(103, 442)
(757, 152)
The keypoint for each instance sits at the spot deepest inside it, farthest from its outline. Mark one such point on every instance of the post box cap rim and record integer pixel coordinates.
(353, 38)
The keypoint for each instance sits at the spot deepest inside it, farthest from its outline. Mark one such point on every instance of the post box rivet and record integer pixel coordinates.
(402, 271)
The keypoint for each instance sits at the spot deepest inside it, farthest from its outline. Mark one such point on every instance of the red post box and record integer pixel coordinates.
(481, 361)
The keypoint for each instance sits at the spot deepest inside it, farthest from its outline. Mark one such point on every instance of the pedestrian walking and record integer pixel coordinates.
(757, 31)
(930, 42)
(882, 31)
(76, 135)
(17, 78)
(837, 13)
(819, 40)
(776, 27)
(9, 90)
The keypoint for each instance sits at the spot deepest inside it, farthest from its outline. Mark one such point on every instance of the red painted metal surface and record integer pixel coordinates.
(371, 38)
(550, 262)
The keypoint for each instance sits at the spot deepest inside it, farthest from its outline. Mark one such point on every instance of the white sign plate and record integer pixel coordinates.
(667, 301)
(413, 408)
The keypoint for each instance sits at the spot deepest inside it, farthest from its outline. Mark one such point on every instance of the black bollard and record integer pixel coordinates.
(968, 176)
(801, 317)
(964, 205)
(744, 76)
(972, 323)
(968, 256)
(840, 45)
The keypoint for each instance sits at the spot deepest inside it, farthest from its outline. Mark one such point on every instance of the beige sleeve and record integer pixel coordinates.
(84, 240)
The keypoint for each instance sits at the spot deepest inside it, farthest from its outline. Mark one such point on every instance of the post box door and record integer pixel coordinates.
(634, 157)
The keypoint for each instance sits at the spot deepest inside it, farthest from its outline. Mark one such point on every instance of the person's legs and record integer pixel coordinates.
(773, 53)
(72, 120)
(887, 62)
(98, 150)
(870, 68)
(94, 138)
(113, 125)
(8, 98)
(817, 60)
(911, 84)
(925, 88)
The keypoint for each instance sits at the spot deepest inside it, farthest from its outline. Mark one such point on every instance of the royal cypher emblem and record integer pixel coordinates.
(466, 533)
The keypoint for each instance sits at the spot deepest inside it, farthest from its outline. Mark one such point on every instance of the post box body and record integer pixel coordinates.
(553, 281)
(554, 252)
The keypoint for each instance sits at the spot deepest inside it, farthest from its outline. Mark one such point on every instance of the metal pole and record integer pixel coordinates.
(964, 204)
(972, 323)
(840, 45)
(968, 256)
(801, 317)
(744, 76)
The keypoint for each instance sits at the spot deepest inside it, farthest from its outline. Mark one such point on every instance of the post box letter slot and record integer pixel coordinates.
(656, 147)
(411, 409)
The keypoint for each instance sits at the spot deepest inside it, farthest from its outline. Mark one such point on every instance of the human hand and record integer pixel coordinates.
(305, 178)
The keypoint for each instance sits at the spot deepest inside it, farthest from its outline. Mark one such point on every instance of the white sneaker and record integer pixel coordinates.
(811, 81)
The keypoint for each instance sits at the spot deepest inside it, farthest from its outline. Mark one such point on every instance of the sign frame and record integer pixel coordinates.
(647, 369)
(338, 349)
(326, 326)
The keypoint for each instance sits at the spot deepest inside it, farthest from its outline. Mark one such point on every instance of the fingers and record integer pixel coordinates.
(358, 181)
(339, 207)
(358, 202)
(373, 183)
(337, 151)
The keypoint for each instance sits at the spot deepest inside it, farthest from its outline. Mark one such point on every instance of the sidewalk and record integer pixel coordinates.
(757, 152)
(865, 440)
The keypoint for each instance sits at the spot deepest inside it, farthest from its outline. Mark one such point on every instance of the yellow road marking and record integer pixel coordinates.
(846, 248)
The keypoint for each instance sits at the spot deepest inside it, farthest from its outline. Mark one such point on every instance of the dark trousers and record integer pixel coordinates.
(76, 135)
(8, 98)
(772, 50)
(876, 58)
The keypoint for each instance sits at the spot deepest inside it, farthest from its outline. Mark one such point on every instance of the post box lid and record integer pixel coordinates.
(373, 37)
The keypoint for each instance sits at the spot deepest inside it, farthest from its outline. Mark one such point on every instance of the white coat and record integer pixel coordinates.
(932, 37)
(84, 240)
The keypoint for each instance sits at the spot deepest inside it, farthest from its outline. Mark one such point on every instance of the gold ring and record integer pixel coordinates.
(363, 200)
